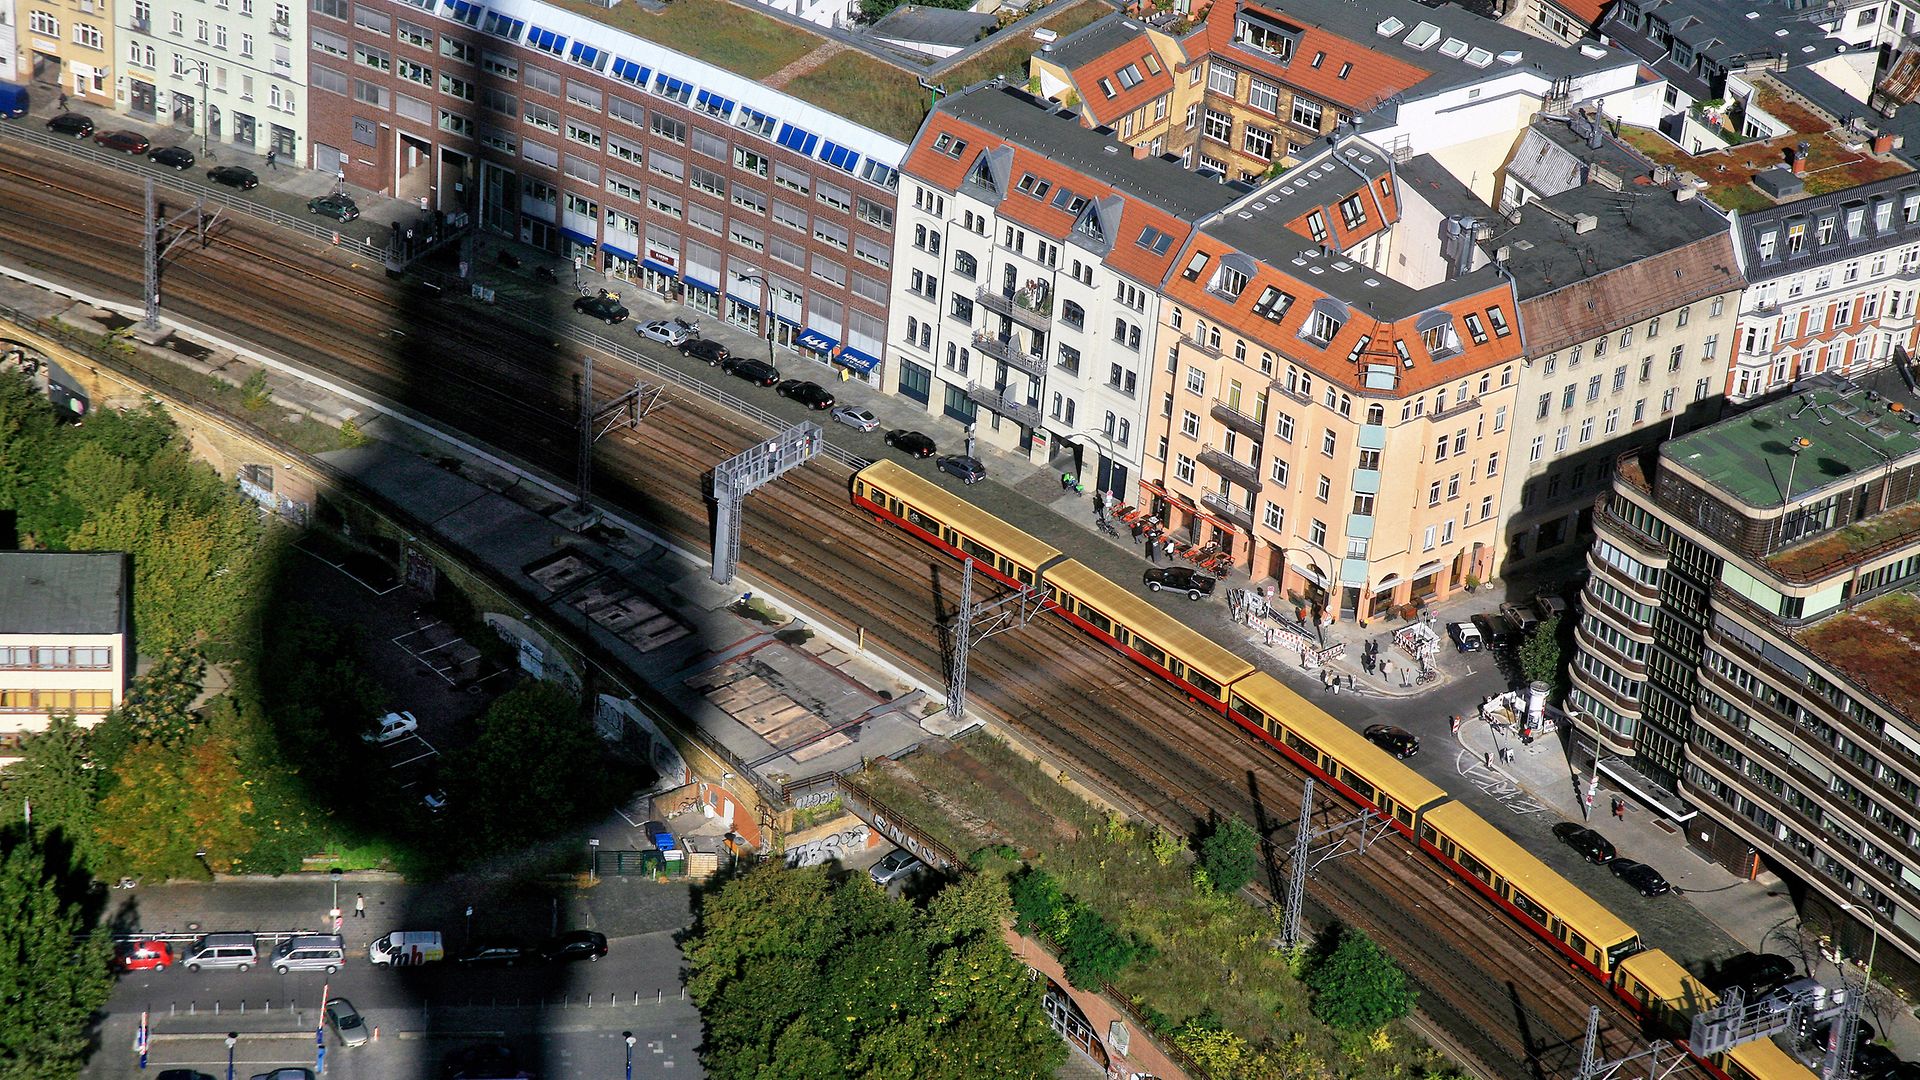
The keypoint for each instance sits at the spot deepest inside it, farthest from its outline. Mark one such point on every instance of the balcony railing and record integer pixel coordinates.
(1010, 350)
(141, 23)
(281, 30)
(1026, 306)
(1239, 421)
(1247, 476)
(1227, 508)
(1002, 401)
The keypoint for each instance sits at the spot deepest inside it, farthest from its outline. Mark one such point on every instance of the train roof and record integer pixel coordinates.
(1668, 982)
(1504, 856)
(1383, 770)
(1144, 618)
(1762, 1059)
(960, 514)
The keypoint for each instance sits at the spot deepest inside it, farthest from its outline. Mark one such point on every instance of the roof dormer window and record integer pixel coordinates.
(1273, 304)
(1195, 265)
(1229, 282)
(1270, 36)
(1032, 185)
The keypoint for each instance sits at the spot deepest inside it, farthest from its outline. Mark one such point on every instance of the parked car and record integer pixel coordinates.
(912, 442)
(285, 1074)
(127, 142)
(575, 945)
(856, 418)
(339, 206)
(173, 157)
(666, 332)
(346, 1022)
(144, 956)
(394, 725)
(1591, 845)
(435, 800)
(706, 349)
(1399, 742)
(234, 176)
(1756, 973)
(810, 394)
(897, 863)
(1547, 606)
(1523, 619)
(71, 124)
(1466, 636)
(967, 470)
(605, 306)
(497, 954)
(758, 372)
(1180, 579)
(1641, 876)
(1494, 629)
(182, 1074)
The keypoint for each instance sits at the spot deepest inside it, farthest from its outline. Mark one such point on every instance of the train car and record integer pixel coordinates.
(896, 494)
(1593, 937)
(1762, 1059)
(1151, 637)
(1665, 994)
(1358, 769)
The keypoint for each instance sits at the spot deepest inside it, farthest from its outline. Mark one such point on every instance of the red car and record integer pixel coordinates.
(145, 956)
(130, 141)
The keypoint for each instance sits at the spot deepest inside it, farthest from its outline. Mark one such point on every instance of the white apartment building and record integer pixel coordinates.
(1028, 260)
(229, 72)
(65, 620)
(1832, 281)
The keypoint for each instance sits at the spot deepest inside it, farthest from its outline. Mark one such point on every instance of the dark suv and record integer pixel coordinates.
(758, 372)
(576, 945)
(72, 124)
(1180, 579)
(1591, 845)
(706, 349)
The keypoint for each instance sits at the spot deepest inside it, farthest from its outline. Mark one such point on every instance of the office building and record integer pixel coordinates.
(65, 629)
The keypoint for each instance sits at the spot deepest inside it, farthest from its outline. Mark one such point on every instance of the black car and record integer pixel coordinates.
(1759, 974)
(338, 206)
(234, 177)
(967, 470)
(912, 442)
(1641, 876)
(758, 372)
(487, 1061)
(496, 954)
(604, 306)
(173, 157)
(71, 124)
(810, 394)
(1494, 629)
(182, 1074)
(1399, 742)
(1180, 579)
(576, 945)
(1591, 845)
(704, 349)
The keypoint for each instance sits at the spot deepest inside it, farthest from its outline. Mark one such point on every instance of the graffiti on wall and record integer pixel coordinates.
(834, 847)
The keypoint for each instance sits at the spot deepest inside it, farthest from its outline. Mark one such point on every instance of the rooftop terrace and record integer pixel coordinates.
(1749, 456)
(1877, 646)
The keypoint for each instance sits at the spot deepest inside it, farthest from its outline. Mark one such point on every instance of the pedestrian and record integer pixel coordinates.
(359, 905)
(1506, 754)
(1066, 481)
(1169, 550)
(63, 101)
(1487, 758)
(1153, 553)
(1349, 680)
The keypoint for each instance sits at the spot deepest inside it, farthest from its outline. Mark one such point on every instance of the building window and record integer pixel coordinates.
(1183, 468)
(1306, 113)
(1219, 126)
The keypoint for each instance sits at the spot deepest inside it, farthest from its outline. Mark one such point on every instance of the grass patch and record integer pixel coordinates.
(1010, 59)
(1873, 645)
(1213, 954)
(866, 91)
(727, 35)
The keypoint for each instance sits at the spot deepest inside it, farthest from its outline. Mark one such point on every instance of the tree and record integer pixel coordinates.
(1230, 854)
(538, 736)
(799, 975)
(194, 568)
(1355, 985)
(169, 803)
(54, 778)
(53, 964)
(1540, 653)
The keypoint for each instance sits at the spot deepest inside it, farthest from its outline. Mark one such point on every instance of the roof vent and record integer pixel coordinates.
(1423, 36)
(1585, 223)
(1389, 26)
(1593, 52)
(1511, 56)
(1046, 35)
(1453, 48)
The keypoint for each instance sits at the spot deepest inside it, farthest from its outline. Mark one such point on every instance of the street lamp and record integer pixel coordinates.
(202, 856)
(627, 1035)
(203, 106)
(766, 311)
(232, 1037)
(593, 852)
(1873, 920)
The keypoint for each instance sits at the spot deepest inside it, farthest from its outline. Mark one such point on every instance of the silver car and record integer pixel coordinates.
(897, 863)
(856, 418)
(347, 1022)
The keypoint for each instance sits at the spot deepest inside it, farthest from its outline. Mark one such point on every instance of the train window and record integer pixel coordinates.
(951, 537)
(1175, 668)
(1024, 575)
(1123, 635)
(1404, 815)
(1306, 749)
(915, 517)
(1432, 836)
(1203, 684)
(1240, 706)
(1099, 622)
(1358, 784)
(860, 488)
(1059, 596)
(1528, 908)
(1151, 651)
(1474, 866)
(979, 551)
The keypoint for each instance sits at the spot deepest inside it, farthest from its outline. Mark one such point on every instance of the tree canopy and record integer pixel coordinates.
(1356, 986)
(1541, 654)
(798, 975)
(536, 763)
(53, 962)
(1230, 854)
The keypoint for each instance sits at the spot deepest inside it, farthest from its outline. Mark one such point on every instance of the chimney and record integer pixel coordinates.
(1883, 144)
(1800, 160)
(1141, 153)
(1585, 223)
(1683, 193)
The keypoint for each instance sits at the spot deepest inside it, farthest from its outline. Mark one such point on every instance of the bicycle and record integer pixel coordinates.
(1106, 526)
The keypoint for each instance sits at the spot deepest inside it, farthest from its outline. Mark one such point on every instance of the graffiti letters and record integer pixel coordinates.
(836, 847)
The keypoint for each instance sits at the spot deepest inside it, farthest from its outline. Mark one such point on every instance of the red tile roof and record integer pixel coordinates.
(1109, 110)
(1370, 76)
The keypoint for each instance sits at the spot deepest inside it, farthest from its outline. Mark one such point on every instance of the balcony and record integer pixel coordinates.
(1204, 347)
(1031, 306)
(1228, 509)
(281, 30)
(1239, 421)
(1002, 401)
(141, 24)
(1010, 350)
(1247, 476)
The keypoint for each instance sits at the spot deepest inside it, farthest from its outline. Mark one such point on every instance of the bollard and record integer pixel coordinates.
(589, 1001)
(243, 1006)
(659, 997)
(636, 997)
(216, 1008)
(376, 1033)
(193, 1008)
(611, 999)
(172, 1009)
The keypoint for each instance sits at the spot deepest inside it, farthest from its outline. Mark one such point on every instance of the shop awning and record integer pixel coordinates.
(1427, 570)
(1386, 583)
(613, 249)
(659, 267)
(702, 286)
(1309, 573)
(817, 341)
(580, 237)
(853, 358)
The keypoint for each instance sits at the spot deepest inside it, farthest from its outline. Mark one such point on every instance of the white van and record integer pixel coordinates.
(229, 952)
(311, 952)
(408, 948)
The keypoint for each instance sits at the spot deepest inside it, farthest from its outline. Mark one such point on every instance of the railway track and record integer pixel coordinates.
(1502, 1001)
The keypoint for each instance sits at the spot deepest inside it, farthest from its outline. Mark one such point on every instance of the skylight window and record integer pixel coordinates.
(1389, 26)
(1034, 185)
(1319, 58)
(1423, 36)
(1130, 76)
(1344, 69)
(1453, 48)
(1479, 57)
